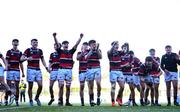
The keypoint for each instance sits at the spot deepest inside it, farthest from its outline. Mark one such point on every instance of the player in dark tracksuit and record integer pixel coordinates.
(169, 62)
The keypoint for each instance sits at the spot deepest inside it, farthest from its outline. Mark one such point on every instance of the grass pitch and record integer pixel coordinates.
(76, 108)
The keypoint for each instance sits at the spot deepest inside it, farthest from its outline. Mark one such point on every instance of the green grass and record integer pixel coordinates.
(103, 108)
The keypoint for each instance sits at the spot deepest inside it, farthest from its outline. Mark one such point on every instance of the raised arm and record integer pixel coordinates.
(56, 41)
(78, 42)
(79, 55)
(99, 52)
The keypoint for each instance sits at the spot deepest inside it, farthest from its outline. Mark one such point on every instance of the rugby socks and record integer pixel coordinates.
(169, 100)
(82, 101)
(91, 97)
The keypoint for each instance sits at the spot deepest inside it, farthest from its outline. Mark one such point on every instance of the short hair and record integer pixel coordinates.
(34, 40)
(114, 42)
(152, 50)
(131, 52)
(65, 42)
(15, 40)
(85, 43)
(125, 45)
(167, 46)
(91, 42)
(149, 59)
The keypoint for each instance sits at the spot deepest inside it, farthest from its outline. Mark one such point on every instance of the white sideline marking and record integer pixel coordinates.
(12, 108)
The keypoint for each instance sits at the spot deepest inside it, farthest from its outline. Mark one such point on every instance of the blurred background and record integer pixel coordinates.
(144, 24)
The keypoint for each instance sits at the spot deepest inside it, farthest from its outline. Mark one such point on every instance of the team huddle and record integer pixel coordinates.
(125, 67)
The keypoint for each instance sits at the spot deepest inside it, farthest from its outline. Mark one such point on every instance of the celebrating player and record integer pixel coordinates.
(33, 55)
(116, 75)
(82, 69)
(14, 65)
(94, 71)
(66, 65)
(53, 69)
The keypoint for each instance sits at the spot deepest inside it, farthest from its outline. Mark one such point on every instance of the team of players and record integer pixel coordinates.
(124, 68)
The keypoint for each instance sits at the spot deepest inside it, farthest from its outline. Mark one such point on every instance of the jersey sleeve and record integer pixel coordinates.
(50, 58)
(41, 54)
(8, 54)
(26, 52)
(73, 50)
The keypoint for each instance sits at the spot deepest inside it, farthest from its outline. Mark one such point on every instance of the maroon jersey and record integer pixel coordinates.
(66, 58)
(146, 70)
(125, 58)
(93, 60)
(54, 61)
(115, 60)
(136, 63)
(36, 54)
(82, 63)
(156, 71)
(13, 57)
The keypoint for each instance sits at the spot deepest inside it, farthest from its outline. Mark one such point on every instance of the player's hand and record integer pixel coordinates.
(29, 58)
(166, 72)
(97, 46)
(54, 34)
(81, 35)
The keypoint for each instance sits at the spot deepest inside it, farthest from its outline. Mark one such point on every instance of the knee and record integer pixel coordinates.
(98, 85)
(40, 86)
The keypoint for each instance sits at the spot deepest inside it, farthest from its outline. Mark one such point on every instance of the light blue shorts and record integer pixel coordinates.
(116, 76)
(34, 75)
(65, 74)
(94, 74)
(172, 76)
(13, 75)
(54, 75)
(82, 76)
(1, 71)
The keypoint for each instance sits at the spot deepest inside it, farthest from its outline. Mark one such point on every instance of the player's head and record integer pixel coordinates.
(15, 42)
(56, 46)
(92, 44)
(149, 61)
(84, 46)
(152, 52)
(34, 43)
(125, 47)
(131, 53)
(65, 45)
(115, 45)
(168, 49)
